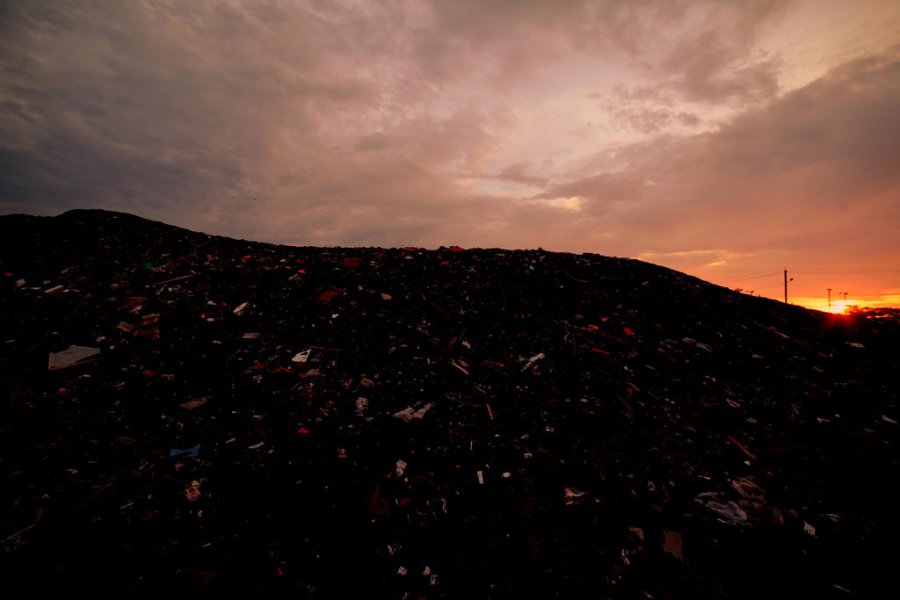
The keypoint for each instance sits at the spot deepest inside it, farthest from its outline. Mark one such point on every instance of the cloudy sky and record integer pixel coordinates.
(728, 139)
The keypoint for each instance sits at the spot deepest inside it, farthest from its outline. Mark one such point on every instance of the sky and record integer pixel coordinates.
(728, 139)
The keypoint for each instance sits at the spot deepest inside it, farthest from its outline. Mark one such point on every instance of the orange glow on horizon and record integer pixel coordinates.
(838, 307)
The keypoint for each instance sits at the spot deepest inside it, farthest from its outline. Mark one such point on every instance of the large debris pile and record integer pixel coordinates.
(186, 413)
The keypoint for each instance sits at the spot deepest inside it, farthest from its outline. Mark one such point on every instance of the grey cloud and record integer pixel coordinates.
(602, 191)
(700, 49)
(786, 177)
(697, 51)
(848, 116)
(373, 142)
(331, 124)
(521, 172)
(710, 68)
(781, 183)
(156, 108)
(647, 118)
(688, 119)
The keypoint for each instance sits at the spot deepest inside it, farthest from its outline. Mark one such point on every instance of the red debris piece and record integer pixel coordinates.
(192, 491)
(741, 447)
(597, 350)
(302, 431)
(628, 331)
(351, 262)
(455, 249)
(329, 295)
(377, 504)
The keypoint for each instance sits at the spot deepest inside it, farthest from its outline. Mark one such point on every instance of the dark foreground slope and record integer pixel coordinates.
(578, 426)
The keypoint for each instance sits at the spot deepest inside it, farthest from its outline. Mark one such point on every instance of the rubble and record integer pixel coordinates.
(251, 419)
(72, 356)
(727, 511)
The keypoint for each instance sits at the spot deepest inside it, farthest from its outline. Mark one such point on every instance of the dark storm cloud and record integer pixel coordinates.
(133, 105)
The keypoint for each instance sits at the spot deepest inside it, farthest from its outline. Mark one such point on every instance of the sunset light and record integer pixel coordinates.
(722, 139)
(836, 307)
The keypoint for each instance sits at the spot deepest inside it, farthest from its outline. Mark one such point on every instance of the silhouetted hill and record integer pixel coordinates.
(253, 418)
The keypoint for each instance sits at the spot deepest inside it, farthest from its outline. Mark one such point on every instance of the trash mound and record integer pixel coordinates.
(194, 414)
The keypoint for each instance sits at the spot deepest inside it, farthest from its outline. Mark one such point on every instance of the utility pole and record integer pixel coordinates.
(785, 285)
(829, 299)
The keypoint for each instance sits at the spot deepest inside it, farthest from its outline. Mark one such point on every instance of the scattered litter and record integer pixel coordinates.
(362, 405)
(72, 356)
(192, 404)
(748, 489)
(329, 295)
(459, 367)
(532, 360)
(573, 495)
(532, 371)
(302, 356)
(192, 452)
(728, 511)
(741, 447)
(192, 491)
(409, 413)
(672, 544)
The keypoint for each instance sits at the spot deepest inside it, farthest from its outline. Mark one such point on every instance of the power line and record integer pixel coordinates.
(749, 277)
(845, 271)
